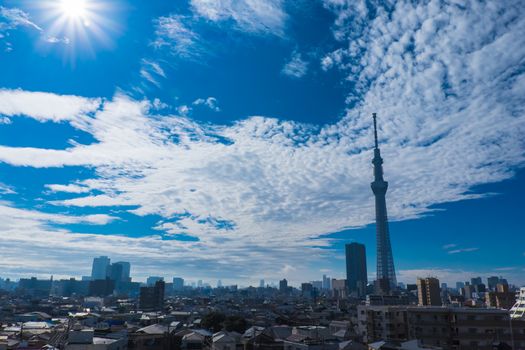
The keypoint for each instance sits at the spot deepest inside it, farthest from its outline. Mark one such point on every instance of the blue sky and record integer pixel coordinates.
(231, 139)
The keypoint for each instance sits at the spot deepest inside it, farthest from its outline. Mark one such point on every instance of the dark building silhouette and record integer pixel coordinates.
(35, 287)
(283, 285)
(356, 275)
(385, 260)
(115, 272)
(101, 288)
(69, 287)
(152, 298)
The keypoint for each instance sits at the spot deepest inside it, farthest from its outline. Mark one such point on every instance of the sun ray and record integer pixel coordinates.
(84, 25)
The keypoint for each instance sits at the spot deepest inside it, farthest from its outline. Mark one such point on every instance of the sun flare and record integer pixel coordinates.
(74, 8)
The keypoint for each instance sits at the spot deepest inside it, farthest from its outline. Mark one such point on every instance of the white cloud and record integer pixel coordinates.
(296, 67)
(463, 250)
(11, 18)
(173, 33)
(151, 71)
(71, 188)
(45, 106)
(57, 40)
(184, 110)
(256, 16)
(210, 102)
(36, 217)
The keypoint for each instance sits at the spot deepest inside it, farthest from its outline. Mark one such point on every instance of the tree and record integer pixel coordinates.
(235, 324)
(213, 321)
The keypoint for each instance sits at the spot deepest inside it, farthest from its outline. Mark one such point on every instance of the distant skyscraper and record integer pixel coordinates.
(99, 270)
(178, 283)
(460, 285)
(153, 279)
(317, 285)
(261, 284)
(326, 282)
(219, 284)
(114, 272)
(492, 281)
(385, 260)
(356, 275)
(428, 291)
(475, 281)
(283, 285)
(125, 271)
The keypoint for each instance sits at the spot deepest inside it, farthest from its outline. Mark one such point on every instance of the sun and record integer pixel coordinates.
(74, 9)
(81, 26)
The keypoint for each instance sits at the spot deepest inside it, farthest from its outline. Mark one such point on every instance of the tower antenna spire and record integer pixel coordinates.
(375, 130)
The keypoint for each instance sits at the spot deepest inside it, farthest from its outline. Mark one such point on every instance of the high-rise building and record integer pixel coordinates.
(151, 280)
(125, 270)
(356, 275)
(307, 290)
(261, 284)
(475, 281)
(152, 298)
(115, 272)
(99, 271)
(326, 282)
(492, 281)
(283, 285)
(460, 285)
(178, 283)
(428, 291)
(317, 284)
(385, 259)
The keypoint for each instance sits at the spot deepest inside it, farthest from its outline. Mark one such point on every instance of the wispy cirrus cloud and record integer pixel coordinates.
(462, 250)
(252, 16)
(10, 18)
(296, 67)
(174, 33)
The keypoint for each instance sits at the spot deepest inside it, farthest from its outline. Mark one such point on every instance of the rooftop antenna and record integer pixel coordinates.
(375, 130)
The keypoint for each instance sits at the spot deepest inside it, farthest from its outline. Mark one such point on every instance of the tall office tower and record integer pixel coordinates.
(326, 282)
(385, 261)
(428, 291)
(356, 275)
(178, 283)
(114, 272)
(99, 270)
(283, 285)
(261, 284)
(475, 281)
(125, 271)
(492, 281)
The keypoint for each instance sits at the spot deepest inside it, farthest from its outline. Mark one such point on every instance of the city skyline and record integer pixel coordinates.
(232, 142)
